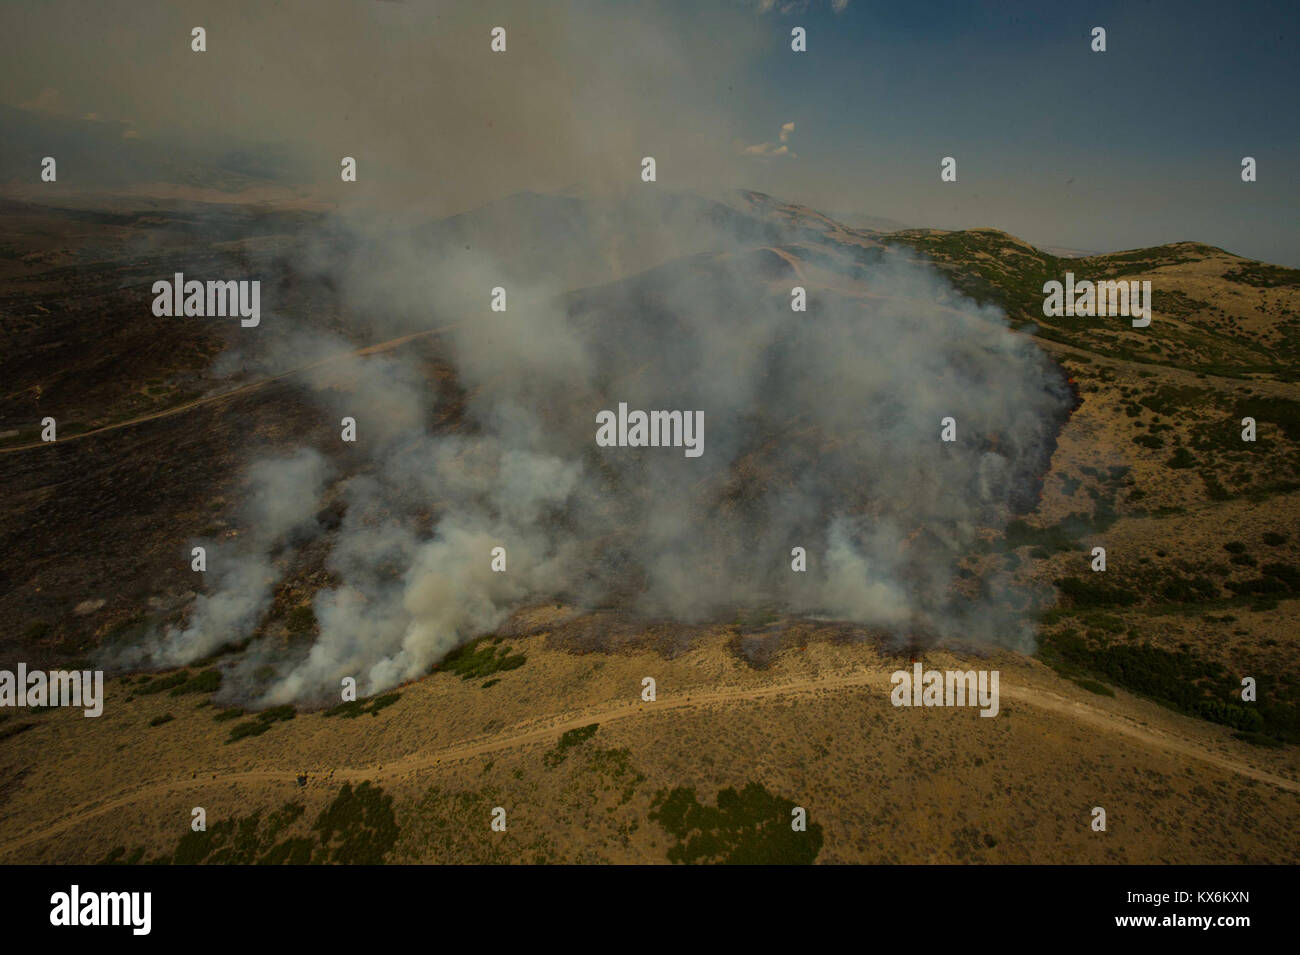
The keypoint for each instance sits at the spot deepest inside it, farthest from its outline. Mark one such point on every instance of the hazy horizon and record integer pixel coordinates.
(1059, 145)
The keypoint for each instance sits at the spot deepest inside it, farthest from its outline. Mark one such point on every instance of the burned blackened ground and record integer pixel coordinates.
(81, 341)
(96, 527)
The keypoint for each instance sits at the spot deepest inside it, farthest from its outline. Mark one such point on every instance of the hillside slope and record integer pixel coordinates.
(1131, 702)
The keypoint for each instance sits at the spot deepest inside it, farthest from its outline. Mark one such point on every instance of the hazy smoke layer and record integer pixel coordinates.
(280, 502)
(821, 431)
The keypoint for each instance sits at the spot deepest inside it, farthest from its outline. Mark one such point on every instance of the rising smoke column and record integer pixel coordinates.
(278, 508)
(822, 430)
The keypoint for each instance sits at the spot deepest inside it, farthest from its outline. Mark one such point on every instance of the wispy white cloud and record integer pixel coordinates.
(780, 148)
(788, 7)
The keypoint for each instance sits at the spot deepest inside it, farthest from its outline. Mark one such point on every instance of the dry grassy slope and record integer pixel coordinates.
(885, 784)
(1213, 311)
(816, 729)
(1201, 531)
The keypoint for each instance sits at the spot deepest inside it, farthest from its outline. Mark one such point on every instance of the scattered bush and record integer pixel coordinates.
(567, 741)
(358, 828)
(1087, 593)
(749, 827)
(300, 621)
(263, 722)
(1181, 681)
(481, 658)
(158, 684)
(354, 708)
(1092, 686)
(209, 681)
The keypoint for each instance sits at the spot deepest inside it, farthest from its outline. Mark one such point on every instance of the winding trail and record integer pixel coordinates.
(547, 730)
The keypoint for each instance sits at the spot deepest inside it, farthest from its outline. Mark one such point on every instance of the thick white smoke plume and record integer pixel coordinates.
(821, 431)
(279, 510)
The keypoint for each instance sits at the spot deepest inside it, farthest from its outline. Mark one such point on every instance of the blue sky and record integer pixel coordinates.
(1138, 145)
